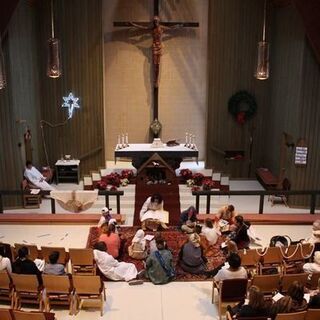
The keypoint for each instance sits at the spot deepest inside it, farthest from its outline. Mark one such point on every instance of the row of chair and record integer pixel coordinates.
(82, 260)
(68, 290)
(310, 314)
(10, 314)
(258, 260)
(235, 290)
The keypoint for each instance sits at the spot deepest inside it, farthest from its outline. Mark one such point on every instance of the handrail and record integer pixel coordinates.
(90, 153)
(105, 193)
(208, 193)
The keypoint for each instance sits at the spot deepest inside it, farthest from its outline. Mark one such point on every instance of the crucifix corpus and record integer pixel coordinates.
(157, 28)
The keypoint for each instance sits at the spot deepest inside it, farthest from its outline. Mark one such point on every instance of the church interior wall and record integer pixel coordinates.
(183, 75)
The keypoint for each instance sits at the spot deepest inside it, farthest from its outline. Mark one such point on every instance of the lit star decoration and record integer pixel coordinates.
(70, 102)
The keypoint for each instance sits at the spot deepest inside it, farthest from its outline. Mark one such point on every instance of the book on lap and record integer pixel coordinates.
(161, 215)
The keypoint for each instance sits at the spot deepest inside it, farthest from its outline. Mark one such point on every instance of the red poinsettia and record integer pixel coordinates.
(186, 174)
(112, 179)
(195, 188)
(127, 174)
(101, 185)
(208, 184)
(241, 117)
(198, 178)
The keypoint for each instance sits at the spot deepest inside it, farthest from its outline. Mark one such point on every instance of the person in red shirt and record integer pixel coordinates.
(111, 239)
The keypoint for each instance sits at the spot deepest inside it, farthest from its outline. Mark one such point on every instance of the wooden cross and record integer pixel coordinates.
(156, 28)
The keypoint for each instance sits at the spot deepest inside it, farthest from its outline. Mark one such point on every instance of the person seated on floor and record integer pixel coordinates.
(232, 269)
(111, 239)
(240, 234)
(153, 243)
(34, 176)
(53, 267)
(105, 216)
(112, 268)
(5, 263)
(159, 264)
(188, 219)
(191, 256)
(227, 214)
(314, 266)
(138, 249)
(294, 301)
(256, 306)
(152, 211)
(314, 302)
(315, 238)
(210, 232)
(23, 265)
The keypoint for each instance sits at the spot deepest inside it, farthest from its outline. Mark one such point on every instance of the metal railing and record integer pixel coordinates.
(312, 193)
(105, 193)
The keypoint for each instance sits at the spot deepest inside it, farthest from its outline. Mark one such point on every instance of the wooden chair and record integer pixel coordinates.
(313, 282)
(32, 315)
(88, 288)
(229, 317)
(249, 259)
(267, 283)
(291, 316)
(313, 314)
(30, 201)
(82, 261)
(32, 249)
(6, 288)
(271, 259)
(26, 289)
(5, 314)
(287, 279)
(231, 290)
(63, 257)
(58, 290)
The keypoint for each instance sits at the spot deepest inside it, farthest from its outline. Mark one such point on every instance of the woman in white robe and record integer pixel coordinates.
(35, 177)
(112, 268)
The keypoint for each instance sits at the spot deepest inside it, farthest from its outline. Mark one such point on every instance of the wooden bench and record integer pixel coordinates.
(267, 179)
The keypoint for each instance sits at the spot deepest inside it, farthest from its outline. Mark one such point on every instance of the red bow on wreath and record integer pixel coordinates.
(241, 117)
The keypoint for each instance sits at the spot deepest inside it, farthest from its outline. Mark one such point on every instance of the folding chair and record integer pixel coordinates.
(266, 283)
(231, 290)
(6, 288)
(63, 257)
(82, 261)
(249, 259)
(287, 279)
(58, 290)
(313, 282)
(32, 249)
(313, 314)
(28, 315)
(26, 289)
(272, 258)
(291, 316)
(5, 314)
(88, 288)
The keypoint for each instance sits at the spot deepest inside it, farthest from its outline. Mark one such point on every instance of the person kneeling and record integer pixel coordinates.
(112, 268)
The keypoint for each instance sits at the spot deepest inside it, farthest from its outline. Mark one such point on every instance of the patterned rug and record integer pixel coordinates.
(175, 239)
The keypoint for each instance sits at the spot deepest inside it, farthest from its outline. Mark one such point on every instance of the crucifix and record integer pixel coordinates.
(157, 28)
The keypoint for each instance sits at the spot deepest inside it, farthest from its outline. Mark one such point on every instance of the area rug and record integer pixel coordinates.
(174, 239)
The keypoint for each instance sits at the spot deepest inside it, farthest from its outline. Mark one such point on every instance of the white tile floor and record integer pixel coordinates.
(174, 301)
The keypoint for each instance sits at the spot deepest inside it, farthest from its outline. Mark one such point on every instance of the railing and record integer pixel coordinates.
(104, 193)
(312, 193)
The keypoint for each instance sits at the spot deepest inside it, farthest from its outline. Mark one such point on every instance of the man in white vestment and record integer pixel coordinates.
(112, 268)
(35, 177)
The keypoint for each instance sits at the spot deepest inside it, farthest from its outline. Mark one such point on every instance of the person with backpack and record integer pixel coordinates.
(159, 264)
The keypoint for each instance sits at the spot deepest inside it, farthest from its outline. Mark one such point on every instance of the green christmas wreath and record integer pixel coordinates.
(242, 105)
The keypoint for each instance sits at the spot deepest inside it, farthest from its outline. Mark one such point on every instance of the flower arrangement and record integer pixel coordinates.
(102, 185)
(124, 182)
(190, 183)
(198, 178)
(195, 188)
(207, 184)
(112, 179)
(127, 174)
(186, 174)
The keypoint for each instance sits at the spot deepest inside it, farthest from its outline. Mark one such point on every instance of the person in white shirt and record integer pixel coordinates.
(210, 232)
(36, 178)
(5, 263)
(313, 266)
(153, 203)
(232, 270)
(112, 268)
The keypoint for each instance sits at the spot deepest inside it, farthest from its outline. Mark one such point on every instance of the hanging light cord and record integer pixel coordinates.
(52, 21)
(264, 21)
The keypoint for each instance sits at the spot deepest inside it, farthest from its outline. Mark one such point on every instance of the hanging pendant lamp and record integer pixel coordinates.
(3, 81)
(54, 69)
(262, 70)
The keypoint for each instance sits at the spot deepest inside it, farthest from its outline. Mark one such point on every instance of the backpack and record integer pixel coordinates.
(280, 241)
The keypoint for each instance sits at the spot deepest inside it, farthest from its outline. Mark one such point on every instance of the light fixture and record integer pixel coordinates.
(262, 71)
(54, 62)
(3, 81)
(70, 102)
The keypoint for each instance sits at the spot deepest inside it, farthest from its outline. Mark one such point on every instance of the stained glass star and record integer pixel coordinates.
(70, 102)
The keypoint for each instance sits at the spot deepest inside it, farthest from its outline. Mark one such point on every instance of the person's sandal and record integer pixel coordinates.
(135, 282)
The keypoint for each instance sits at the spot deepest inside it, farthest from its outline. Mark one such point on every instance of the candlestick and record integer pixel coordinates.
(127, 140)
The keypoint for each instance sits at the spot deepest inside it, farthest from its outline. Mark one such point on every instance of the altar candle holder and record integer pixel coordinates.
(122, 141)
(127, 140)
(119, 143)
(186, 144)
(193, 140)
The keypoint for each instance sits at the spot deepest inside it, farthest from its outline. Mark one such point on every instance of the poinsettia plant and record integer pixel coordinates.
(112, 179)
(186, 174)
(195, 188)
(198, 178)
(127, 174)
(207, 184)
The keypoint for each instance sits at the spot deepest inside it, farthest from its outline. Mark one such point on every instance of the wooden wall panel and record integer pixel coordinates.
(79, 28)
(234, 31)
